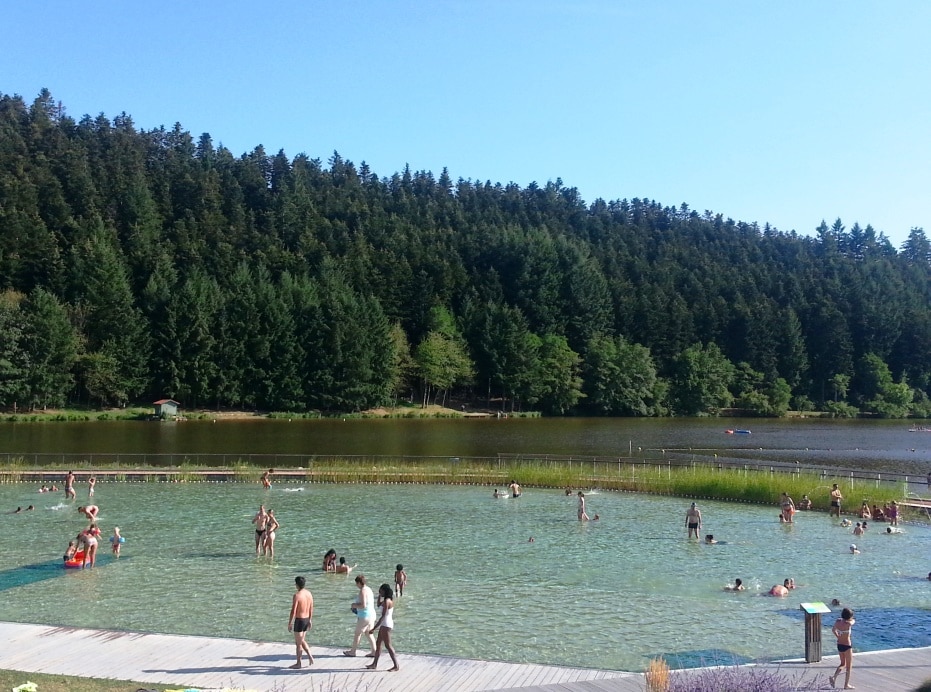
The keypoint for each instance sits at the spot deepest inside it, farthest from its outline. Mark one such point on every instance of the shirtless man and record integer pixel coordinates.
(69, 486)
(582, 514)
(260, 520)
(301, 619)
(693, 520)
(514, 488)
(266, 479)
(836, 497)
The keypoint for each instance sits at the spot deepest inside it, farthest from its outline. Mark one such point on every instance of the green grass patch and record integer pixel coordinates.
(66, 683)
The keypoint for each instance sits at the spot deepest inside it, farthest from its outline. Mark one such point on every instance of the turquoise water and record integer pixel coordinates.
(608, 594)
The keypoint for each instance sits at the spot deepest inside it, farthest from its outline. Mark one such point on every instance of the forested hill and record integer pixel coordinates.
(144, 264)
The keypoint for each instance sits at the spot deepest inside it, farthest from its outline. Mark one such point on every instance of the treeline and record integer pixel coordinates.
(141, 264)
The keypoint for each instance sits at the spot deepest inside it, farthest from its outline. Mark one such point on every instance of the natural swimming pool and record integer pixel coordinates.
(609, 594)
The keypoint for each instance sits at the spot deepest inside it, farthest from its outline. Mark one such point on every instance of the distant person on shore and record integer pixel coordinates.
(582, 514)
(842, 630)
(514, 487)
(329, 560)
(271, 526)
(693, 520)
(91, 482)
(69, 486)
(260, 520)
(364, 609)
(300, 620)
(865, 512)
(116, 539)
(343, 568)
(266, 479)
(384, 625)
(836, 498)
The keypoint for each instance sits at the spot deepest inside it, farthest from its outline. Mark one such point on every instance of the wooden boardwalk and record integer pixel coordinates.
(210, 663)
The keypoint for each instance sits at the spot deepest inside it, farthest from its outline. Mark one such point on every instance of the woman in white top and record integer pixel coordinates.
(384, 625)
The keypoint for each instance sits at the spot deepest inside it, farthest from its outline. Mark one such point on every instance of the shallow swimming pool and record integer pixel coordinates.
(609, 594)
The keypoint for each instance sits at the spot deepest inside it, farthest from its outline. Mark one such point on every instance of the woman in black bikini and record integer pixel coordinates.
(841, 630)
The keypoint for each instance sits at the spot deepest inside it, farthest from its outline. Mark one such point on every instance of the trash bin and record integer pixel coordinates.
(813, 613)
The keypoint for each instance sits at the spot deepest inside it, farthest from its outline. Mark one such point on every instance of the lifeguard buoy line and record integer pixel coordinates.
(75, 562)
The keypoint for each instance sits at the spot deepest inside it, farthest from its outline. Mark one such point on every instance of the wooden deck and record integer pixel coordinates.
(210, 663)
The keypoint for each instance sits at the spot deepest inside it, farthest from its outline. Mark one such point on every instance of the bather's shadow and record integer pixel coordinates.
(263, 666)
(42, 571)
(702, 658)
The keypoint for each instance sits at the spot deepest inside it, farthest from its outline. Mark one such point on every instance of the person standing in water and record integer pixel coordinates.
(271, 525)
(842, 630)
(836, 497)
(69, 486)
(300, 620)
(582, 515)
(91, 482)
(260, 520)
(693, 520)
(514, 488)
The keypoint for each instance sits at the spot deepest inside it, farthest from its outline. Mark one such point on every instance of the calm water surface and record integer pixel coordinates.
(607, 594)
(871, 445)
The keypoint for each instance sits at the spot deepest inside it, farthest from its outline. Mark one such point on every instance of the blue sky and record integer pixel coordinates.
(788, 112)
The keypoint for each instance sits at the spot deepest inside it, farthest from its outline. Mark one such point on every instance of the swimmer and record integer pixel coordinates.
(260, 520)
(30, 508)
(858, 530)
(91, 482)
(582, 515)
(17, 510)
(709, 539)
(846, 523)
(343, 568)
(835, 602)
(70, 551)
(779, 590)
(693, 520)
(596, 518)
(115, 540)
(854, 550)
(738, 586)
(497, 495)
(789, 584)
(515, 492)
(43, 489)
(90, 511)
(329, 561)
(271, 525)
(400, 580)
(530, 540)
(893, 529)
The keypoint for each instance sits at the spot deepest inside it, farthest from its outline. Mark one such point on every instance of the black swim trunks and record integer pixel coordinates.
(301, 624)
(835, 503)
(841, 648)
(259, 532)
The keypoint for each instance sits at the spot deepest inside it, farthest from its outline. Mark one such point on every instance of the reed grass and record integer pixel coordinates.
(657, 675)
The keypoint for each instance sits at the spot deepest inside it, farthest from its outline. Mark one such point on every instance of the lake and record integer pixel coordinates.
(881, 446)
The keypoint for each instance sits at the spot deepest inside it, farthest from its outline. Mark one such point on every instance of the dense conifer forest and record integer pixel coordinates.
(138, 264)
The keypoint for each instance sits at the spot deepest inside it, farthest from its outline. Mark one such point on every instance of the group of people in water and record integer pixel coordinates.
(83, 548)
